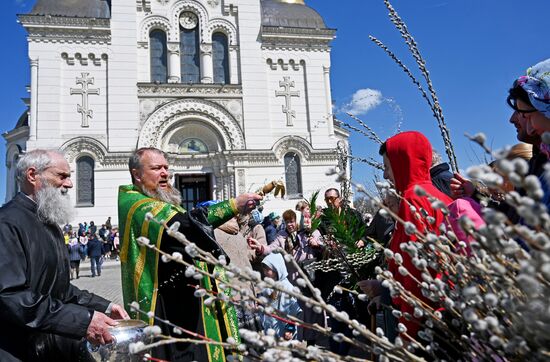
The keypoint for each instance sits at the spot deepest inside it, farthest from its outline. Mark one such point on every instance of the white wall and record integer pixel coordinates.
(123, 103)
(259, 134)
(106, 196)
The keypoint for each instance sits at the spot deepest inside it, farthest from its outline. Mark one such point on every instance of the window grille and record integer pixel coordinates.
(293, 175)
(159, 56)
(85, 181)
(220, 58)
(190, 55)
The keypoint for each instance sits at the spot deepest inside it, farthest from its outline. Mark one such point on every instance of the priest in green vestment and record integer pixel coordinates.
(163, 288)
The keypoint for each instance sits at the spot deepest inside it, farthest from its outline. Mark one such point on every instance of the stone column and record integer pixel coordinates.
(174, 68)
(328, 100)
(207, 67)
(34, 100)
(215, 193)
(233, 64)
(231, 181)
(222, 185)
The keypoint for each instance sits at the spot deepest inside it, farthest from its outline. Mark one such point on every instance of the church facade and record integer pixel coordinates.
(236, 92)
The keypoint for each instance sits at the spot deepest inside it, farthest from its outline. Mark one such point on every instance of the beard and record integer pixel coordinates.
(170, 195)
(54, 205)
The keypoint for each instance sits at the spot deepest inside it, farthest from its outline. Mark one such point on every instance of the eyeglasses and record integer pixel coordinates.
(331, 198)
(513, 103)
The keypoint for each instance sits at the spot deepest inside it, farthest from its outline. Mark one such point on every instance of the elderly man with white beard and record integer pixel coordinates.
(44, 317)
(164, 289)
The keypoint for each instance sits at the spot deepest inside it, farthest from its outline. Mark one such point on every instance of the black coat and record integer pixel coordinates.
(175, 289)
(381, 228)
(38, 305)
(95, 247)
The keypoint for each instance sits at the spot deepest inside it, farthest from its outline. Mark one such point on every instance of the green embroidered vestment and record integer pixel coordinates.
(139, 264)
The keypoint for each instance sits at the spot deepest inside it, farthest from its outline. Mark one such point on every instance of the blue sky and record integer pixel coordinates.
(474, 49)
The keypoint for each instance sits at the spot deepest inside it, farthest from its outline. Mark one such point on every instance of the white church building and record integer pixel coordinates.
(237, 92)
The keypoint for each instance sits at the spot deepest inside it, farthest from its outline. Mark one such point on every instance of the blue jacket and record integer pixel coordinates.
(95, 248)
(270, 233)
(74, 252)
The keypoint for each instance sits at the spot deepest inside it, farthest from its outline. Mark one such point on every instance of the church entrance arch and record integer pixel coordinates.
(159, 124)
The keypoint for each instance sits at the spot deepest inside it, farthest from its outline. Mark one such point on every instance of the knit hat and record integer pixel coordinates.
(537, 85)
(273, 216)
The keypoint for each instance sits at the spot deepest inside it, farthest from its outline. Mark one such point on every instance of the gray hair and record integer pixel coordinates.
(134, 162)
(436, 158)
(40, 159)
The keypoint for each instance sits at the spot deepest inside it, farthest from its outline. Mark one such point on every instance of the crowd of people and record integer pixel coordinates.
(425, 189)
(37, 299)
(90, 242)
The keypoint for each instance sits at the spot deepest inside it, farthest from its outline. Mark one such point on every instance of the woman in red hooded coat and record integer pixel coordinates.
(407, 161)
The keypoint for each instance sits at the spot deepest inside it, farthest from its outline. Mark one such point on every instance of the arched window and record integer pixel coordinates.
(220, 58)
(85, 181)
(190, 48)
(159, 56)
(293, 175)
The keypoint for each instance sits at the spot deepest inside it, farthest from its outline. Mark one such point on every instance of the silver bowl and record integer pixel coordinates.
(126, 332)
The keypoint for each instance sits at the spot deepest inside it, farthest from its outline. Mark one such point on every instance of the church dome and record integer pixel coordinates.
(290, 14)
(100, 9)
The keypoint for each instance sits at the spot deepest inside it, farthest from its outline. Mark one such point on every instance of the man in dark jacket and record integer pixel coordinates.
(43, 316)
(326, 281)
(103, 232)
(92, 228)
(95, 251)
(382, 225)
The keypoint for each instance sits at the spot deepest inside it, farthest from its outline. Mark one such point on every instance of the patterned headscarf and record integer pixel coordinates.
(537, 85)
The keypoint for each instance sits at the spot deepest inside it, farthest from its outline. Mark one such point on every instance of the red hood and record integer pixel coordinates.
(410, 155)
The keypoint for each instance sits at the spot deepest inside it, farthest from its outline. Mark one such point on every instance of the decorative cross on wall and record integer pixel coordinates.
(288, 94)
(84, 92)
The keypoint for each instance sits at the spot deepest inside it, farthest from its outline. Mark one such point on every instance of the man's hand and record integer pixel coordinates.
(461, 187)
(117, 312)
(98, 330)
(247, 202)
(255, 245)
(372, 288)
(360, 244)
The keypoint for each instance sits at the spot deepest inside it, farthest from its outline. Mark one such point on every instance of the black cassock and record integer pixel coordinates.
(42, 315)
(175, 300)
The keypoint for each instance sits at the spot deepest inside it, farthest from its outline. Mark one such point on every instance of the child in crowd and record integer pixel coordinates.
(273, 266)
